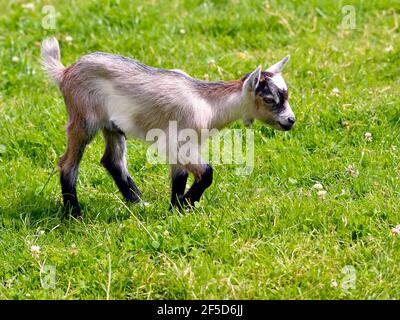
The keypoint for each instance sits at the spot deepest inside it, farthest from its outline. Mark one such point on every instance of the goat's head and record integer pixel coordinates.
(267, 96)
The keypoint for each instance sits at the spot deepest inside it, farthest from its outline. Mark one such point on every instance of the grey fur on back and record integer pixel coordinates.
(137, 97)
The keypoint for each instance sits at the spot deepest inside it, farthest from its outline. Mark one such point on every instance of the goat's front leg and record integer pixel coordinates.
(179, 178)
(203, 179)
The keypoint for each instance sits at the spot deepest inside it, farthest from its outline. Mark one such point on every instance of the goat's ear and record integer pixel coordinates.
(278, 67)
(252, 80)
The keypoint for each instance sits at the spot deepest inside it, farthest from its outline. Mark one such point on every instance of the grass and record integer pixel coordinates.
(264, 236)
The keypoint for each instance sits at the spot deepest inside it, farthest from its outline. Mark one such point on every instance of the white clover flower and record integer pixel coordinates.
(346, 124)
(211, 63)
(68, 39)
(182, 31)
(388, 49)
(15, 59)
(368, 136)
(351, 171)
(74, 250)
(396, 230)
(318, 186)
(335, 92)
(334, 284)
(35, 250)
(322, 194)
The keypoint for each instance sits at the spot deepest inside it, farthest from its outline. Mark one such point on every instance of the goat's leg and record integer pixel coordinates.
(179, 178)
(114, 160)
(77, 139)
(204, 175)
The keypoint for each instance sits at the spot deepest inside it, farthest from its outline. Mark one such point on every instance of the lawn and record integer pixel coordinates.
(269, 235)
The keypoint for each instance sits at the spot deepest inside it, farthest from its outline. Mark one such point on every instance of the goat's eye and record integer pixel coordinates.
(269, 100)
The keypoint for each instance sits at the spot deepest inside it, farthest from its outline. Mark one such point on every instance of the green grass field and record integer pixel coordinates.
(263, 236)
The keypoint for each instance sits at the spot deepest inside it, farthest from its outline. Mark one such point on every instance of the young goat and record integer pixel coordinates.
(121, 96)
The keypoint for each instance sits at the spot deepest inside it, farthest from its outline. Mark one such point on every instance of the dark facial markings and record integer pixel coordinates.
(269, 92)
(283, 97)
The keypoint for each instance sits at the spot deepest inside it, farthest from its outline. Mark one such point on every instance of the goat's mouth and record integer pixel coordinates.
(285, 127)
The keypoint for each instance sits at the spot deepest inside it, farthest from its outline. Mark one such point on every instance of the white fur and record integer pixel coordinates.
(279, 81)
(122, 109)
(287, 112)
(50, 52)
(202, 109)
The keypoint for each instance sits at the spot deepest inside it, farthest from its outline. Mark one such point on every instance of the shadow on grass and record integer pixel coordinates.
(38, 209)
(31, 210)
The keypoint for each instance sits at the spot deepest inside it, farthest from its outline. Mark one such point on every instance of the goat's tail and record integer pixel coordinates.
(51, 60)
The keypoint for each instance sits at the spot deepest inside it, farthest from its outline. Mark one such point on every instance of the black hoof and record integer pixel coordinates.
(182, 203)
(74, 212)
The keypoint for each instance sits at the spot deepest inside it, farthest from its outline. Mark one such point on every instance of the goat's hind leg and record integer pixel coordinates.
(77, 139)
(114, 161)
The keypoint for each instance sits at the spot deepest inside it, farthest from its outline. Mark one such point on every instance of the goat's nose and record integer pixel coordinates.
(291, 120)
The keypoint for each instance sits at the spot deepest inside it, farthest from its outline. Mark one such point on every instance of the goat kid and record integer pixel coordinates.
(123, 97)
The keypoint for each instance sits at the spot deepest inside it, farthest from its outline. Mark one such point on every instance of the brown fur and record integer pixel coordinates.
(220, 90)
(77, 139)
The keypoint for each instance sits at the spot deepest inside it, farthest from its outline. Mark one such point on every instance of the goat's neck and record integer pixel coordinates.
(228, 103)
